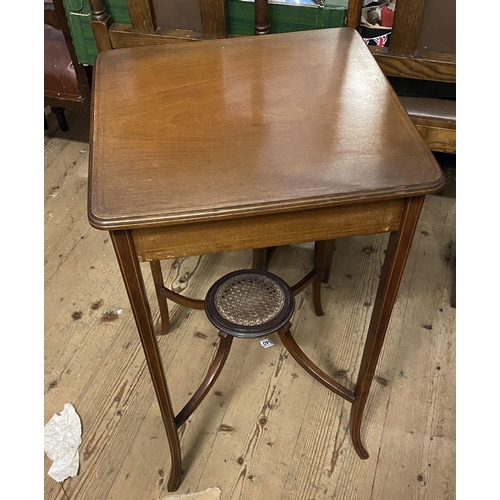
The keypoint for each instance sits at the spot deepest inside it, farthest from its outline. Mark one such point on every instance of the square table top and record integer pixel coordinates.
(251, 125)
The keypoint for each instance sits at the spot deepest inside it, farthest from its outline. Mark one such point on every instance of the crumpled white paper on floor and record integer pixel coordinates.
(62, 438)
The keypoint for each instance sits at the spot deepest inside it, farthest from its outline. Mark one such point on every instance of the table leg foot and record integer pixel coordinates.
(174, 481)
(355, 428)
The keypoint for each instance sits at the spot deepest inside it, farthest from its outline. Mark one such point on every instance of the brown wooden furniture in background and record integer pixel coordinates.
(66, 84)
(144, 28)
(422, 47)
(257, 177)
(150, 23)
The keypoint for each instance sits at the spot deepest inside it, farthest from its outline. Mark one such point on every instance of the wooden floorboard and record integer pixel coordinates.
(266, 430)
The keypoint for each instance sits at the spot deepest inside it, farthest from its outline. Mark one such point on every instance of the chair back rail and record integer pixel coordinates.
(403, 57)
(408, 18)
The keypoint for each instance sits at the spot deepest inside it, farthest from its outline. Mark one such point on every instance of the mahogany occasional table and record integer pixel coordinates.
(248, 143)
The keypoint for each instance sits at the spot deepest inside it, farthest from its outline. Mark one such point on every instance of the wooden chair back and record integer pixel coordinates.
(413, 34)
(405, 57)
(65, 61)
(144, 28)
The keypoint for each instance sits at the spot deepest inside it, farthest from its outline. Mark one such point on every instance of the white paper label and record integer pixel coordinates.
(265, 343)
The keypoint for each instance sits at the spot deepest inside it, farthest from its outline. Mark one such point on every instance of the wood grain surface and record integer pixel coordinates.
(213, 18)
(421, 66)
(267, 230)
(123, 36)
(248, 125)
(406, 27)
(142, 15)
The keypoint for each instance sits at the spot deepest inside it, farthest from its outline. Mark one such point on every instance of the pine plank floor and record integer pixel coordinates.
(266, 430)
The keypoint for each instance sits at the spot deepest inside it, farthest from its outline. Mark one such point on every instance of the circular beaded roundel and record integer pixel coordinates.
(250, 299)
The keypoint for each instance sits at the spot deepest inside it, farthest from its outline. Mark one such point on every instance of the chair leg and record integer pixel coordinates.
(162, 301)
(329, 251)
(319, 263)
(261, 258)
(61, 119)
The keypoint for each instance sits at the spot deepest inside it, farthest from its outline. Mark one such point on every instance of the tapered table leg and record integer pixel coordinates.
(134, 283)
(392, 271)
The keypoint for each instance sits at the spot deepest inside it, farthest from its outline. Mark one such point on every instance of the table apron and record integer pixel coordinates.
(268, 230)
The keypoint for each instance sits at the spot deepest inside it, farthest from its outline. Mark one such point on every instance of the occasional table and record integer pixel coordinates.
(248, 143)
